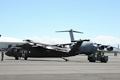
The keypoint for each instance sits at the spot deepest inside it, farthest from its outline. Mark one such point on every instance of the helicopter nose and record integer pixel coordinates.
(8, 52)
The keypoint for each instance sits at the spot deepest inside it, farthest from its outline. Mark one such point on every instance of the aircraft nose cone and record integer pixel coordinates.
(8, 53)
(93, 49)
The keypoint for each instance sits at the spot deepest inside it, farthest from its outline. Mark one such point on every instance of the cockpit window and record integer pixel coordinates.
(91, 44)
(9, 50)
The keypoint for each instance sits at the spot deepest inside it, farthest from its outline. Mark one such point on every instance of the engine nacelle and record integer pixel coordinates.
(101, 47)
(110, 48)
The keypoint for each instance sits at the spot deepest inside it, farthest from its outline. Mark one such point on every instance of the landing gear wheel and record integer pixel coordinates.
(103, 60)
(16, 58)
(65, 59)
(25, 58)
(91, 59)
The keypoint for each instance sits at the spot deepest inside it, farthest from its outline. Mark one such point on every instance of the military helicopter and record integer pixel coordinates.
(39, 50)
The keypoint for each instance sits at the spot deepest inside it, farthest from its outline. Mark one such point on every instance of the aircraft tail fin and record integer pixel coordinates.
(71, 33)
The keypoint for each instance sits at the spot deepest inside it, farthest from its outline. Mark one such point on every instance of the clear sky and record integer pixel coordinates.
(39, 18)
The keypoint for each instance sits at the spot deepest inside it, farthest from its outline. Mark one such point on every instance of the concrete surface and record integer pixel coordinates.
(78, 68)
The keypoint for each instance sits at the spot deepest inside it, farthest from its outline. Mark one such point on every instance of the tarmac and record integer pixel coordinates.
(78, 68)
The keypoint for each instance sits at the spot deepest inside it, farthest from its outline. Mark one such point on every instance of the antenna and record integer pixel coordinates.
(71, 33)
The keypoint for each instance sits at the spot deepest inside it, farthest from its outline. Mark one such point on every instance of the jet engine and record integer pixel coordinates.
(101, 47)
(109, 48)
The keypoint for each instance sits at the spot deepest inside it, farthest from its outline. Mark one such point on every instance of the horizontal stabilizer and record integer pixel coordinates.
(71, 33)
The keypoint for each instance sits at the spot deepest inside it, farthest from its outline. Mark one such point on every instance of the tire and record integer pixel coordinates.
(91, 59)
(25, 58)
(103, 60)
(16, 58)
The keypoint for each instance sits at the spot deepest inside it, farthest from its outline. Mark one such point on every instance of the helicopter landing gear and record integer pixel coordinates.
(24, 56)
(17, 56)
(65, 59)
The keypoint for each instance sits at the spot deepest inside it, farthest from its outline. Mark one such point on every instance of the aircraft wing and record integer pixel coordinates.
(115, 50)
(107, 48)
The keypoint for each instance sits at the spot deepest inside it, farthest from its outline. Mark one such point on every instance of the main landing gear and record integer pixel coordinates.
(17, 56)
(98, 57)
(23, 55)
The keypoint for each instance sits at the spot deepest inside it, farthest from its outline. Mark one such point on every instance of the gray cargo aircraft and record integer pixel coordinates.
(94, 51)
